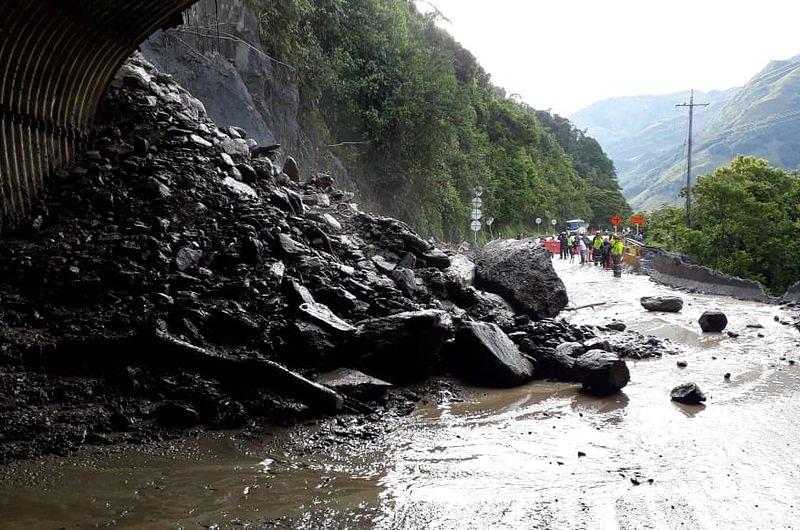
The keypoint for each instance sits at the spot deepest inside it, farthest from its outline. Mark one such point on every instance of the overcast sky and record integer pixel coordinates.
(567, 54)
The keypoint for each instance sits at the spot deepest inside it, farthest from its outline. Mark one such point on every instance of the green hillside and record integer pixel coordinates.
(418, 123)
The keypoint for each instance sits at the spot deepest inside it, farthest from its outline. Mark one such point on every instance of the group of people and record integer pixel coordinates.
(602, 250)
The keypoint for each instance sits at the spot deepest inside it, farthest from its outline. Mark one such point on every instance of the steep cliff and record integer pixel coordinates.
(375, 94)
(218, 55)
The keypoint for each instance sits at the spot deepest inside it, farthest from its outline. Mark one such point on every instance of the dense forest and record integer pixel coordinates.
(746, 218)
(419, 123)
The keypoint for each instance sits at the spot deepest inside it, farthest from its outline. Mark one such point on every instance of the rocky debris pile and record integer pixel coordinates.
(664, 304)
(688, 394)
(180, 276)
(713, 322)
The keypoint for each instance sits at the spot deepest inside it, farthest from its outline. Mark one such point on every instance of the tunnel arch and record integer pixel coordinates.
(57, 58)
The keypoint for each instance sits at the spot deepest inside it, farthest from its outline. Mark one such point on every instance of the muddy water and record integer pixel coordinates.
(540, 456)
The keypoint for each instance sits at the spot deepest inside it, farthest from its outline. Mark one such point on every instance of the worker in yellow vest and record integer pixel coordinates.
(617, 250)
(597, 245)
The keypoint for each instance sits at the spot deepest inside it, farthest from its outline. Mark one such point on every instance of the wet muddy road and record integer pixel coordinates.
(539, 456)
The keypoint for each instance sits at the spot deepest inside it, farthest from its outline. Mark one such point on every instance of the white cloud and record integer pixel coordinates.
(567, 54)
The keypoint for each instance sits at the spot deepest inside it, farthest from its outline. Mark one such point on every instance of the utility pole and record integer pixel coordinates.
(691, 104)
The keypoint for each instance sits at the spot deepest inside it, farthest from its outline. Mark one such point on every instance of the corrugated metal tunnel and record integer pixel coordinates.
(57, 58)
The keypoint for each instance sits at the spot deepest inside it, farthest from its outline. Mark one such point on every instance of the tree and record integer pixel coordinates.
(747, 220)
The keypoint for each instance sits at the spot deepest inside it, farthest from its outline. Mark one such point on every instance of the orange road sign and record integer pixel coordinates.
(616, 220)
(637, 220)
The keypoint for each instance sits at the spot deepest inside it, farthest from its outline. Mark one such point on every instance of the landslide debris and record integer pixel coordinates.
(179, 276)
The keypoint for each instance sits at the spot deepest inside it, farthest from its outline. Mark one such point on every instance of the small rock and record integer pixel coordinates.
(682, 364)
(713, 322)
(240, 187)
(617, 326)
(355, 384)
(405, 281)
(187, 258)
(200, 141)
(321, 315)
(664, 304)
(688, 394)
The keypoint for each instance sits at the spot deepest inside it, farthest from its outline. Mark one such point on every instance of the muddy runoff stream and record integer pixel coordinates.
(539, 456)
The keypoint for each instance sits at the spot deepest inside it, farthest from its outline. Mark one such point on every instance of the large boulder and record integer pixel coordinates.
(713, 322)
(664, 304)
(688, 394)
(602, 372)
(522, 273)
(483, 354)
(599, 371)
(400, 348)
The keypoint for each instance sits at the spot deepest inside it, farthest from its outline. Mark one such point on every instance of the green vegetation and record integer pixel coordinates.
(746, 222)
(419, 124)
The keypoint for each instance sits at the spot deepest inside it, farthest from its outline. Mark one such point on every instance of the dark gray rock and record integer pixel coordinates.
(355, 384)
(187, 258)
(602, 372)
(414, 243)
(484, 355)
(522, 273)
(321, 315)
(408, 261)
(436, 258)
(617, 326)
(572, 349)
(664, 304)
(688, 394)
(405, 280)
(289, 247)
(713, 322)
(402, 347)
(177, 415)
(291, 170)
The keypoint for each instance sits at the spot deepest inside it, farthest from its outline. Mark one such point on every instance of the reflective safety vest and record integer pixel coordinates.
(597, 243)
(618, 248)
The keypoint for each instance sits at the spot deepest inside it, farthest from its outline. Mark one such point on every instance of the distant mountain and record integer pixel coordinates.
(645, 135)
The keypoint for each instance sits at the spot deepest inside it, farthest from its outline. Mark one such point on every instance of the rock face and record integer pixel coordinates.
(522, 273)
(664, 304)
(688, 394)
(713, 322)
(483, 354)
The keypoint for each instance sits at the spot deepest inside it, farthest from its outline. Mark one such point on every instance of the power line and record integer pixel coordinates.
(691, 105)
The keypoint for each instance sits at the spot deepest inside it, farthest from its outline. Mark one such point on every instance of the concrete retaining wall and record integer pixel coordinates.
(679, 271)
(793, 294)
